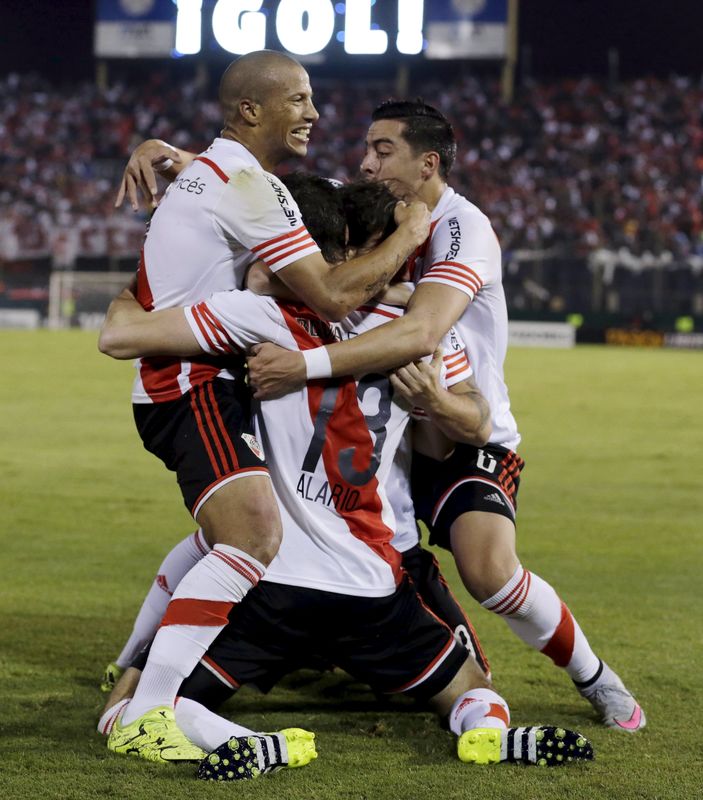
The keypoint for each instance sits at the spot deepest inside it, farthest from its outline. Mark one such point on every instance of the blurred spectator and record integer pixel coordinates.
(571, 166)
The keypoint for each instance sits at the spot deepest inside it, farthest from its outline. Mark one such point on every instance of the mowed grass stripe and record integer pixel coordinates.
(610, 510)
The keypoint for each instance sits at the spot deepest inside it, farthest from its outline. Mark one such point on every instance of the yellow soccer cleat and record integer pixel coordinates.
(154, 736)
(245, 757)
(543, 746)
(110, 677)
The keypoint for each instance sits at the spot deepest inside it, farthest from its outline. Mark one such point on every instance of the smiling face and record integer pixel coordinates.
(287, 115)
(389, 158)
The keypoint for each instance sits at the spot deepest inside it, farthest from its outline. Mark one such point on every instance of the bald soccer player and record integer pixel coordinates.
(224, 211)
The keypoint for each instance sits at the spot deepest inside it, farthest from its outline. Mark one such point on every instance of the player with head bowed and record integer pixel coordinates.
(224, 211)
(335, 592)
(468, 500)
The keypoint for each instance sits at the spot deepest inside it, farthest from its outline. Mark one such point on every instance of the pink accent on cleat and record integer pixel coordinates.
(634, 722)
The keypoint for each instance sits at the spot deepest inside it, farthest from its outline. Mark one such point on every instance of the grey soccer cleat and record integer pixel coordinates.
(615, 704)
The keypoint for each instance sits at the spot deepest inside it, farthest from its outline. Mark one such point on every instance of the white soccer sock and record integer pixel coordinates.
(536, 614)
(478, 708)
(196, 614)
(205, 728)
(177, 563)
(109, 718)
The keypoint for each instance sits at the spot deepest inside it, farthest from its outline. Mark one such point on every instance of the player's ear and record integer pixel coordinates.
(250, 111)
(430, 164)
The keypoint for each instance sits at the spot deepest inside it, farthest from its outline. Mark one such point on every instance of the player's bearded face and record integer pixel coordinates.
(289, 115)
(389, 158)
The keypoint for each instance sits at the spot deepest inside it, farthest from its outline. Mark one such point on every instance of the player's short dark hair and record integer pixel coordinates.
(368, 209)
(320, 205)
(425, 129)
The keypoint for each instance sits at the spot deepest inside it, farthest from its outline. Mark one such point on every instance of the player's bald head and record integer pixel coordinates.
(254, 76)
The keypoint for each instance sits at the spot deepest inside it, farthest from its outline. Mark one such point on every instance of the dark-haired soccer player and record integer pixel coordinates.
(469, 500)
(335, 590)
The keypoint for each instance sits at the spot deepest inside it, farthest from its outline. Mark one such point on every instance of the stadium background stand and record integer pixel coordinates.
(594, 189)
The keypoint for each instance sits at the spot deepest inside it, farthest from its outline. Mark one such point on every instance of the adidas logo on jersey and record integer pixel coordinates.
(495, 498)
(253, 445)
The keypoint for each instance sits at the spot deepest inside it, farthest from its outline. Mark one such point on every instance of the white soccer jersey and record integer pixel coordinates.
(220, 214)
(330, 446)
(463, 252)
(456, 368)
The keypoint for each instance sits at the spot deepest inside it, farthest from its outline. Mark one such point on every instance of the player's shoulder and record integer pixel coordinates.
(454, 207)
(229, 156)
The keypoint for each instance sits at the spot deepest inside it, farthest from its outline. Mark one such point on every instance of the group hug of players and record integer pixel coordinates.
(374, 322)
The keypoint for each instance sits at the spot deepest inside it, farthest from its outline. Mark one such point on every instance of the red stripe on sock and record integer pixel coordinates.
(188, 611)
(494, 710)
(500, 606)
(237, 566)
(520, 599)
(202, 546)
(560, 647)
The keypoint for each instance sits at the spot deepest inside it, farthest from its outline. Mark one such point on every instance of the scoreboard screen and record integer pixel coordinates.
(317, 29)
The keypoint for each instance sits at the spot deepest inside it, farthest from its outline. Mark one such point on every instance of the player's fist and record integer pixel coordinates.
(415, 218)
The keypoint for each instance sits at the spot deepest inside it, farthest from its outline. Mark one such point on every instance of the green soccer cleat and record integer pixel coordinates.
(154, 736)
(244, 757)
(542, 746)
(110, 677)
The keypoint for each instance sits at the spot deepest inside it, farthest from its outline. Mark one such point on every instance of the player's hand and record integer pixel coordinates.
(139, 174)
(274, 371)
(415, 218)
(419, 382)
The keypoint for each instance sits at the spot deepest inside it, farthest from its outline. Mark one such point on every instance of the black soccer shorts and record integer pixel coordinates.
(394, 644)
(471, 479)
(206, 437)
(430, 584)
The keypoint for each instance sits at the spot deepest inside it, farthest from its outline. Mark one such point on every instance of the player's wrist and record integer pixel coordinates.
(317, 363)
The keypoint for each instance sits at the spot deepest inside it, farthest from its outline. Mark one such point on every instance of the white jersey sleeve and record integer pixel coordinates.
(257, 210)
(464, 252)
(231, 322)
(455, 365)
(455, 361)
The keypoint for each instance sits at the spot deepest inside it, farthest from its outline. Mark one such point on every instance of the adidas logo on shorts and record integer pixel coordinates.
(495, 498)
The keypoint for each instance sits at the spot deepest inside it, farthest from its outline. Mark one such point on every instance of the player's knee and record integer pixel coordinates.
(487, 573)
(247, 520)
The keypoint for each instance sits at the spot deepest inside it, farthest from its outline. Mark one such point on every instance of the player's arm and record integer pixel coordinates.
(432, 310)
(131, 332)
(147, 159)
(460, 412)
(334, 293)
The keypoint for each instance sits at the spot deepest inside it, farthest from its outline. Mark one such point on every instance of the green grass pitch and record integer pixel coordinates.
(610, 512)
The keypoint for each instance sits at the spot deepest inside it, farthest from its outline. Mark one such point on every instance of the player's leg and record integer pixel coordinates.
(398, 645)
(475, 519)
(241, 522)
(484, 549)
(256, 648)
(261, 644)
(206, 437)
(177, 563)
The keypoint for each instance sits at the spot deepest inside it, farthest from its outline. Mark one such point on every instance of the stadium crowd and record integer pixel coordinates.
(570, 166)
